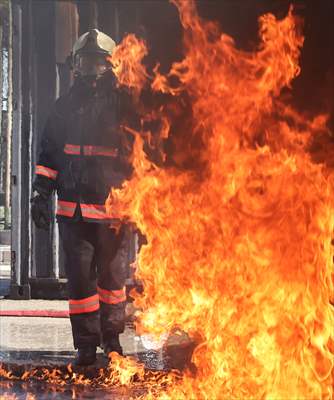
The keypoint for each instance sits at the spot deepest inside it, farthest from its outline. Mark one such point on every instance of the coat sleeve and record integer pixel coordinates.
(47, 166)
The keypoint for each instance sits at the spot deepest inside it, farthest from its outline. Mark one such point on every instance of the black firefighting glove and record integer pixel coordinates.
(40, 212)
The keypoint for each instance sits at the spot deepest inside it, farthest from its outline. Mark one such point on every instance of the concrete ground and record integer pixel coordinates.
(21, 334)
(43, 340)
(30, 343)
(50, 305)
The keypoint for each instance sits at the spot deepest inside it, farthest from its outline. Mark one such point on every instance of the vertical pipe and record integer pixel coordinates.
(53, 227)
(1, 80)
(43, 31)
(15, 94)
(31, 130)
(9, 120)
(26, 133)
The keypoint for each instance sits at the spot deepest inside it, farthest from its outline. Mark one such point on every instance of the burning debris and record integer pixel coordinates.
(239, 223)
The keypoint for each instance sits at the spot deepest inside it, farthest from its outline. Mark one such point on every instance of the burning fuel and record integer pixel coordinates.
(239, 225)
(124, 378)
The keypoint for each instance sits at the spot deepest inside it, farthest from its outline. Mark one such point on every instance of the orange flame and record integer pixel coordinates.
(239, 251)
(126, 60)
(239, 248)
(124, 375)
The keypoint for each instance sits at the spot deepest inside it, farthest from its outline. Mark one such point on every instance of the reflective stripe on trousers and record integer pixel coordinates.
(85, 305)
(90, 211)
(111, 296)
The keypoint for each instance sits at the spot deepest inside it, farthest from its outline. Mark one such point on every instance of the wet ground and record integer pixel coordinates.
(43, 391)
(28, 343)
(156, 361)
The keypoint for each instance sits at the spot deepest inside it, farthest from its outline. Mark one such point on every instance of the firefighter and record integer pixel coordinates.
(83, 154)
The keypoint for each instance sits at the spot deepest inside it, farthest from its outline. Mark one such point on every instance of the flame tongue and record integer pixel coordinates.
(239, 248)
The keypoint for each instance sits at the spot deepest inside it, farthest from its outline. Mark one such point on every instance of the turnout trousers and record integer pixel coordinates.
(96, 260)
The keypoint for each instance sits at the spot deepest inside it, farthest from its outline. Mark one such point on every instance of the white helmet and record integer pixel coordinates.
(90, 53)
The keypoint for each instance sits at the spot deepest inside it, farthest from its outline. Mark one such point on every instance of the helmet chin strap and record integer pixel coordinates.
(91, 80)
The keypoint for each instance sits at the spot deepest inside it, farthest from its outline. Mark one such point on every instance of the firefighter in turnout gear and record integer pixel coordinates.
(83, 154)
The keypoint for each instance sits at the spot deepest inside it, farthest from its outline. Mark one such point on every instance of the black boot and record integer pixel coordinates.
(85, 356)
(112, 344)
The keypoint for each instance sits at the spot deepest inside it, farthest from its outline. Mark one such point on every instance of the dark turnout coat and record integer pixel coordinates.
(84, 151)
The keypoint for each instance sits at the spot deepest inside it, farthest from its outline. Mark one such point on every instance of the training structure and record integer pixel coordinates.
(39, 38)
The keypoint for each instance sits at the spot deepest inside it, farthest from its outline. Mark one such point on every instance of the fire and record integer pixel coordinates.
(124, 376)
(239, 228)
(126, 60)
(239, 225)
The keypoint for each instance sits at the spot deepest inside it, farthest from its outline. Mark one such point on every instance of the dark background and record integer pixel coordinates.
(157, 21)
